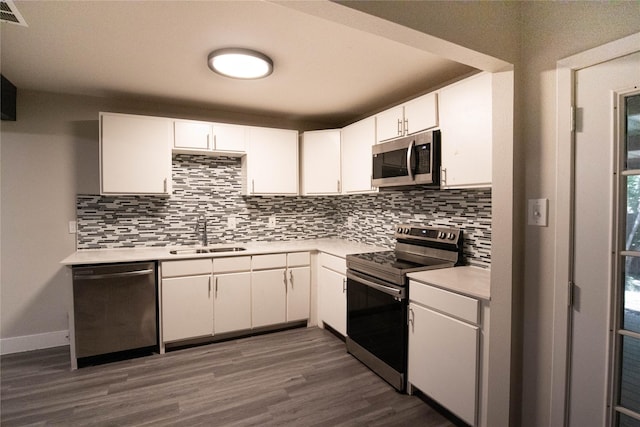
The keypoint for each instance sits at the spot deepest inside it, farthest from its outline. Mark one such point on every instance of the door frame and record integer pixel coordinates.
(565, 136)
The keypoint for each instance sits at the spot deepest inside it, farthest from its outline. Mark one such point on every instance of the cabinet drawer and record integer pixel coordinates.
(186, 267)
(261, 262)
(332, 262)
(296, 259)
(460, 306)
(231, 264)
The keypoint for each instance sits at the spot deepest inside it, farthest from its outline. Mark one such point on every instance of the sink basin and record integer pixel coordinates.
(205, 250)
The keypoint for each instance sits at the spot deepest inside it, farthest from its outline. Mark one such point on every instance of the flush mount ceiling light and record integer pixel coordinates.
(240, 63)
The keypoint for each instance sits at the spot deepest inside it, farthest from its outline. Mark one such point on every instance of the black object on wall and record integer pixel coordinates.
(8, 101)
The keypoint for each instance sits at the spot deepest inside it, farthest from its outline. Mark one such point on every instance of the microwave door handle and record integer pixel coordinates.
(410, 158)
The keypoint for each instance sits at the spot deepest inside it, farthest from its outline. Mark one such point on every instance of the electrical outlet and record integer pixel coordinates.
(537, 212)
(350, 222)
(231, 222)
(73, 227)
(272, 222)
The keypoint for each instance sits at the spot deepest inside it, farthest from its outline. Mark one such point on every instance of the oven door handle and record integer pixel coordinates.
(410, 158)
(386, 289)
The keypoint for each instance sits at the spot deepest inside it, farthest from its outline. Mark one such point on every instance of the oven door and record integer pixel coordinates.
(376, 326)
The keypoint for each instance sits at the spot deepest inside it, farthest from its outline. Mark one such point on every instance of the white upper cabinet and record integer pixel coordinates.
(208, 138)
(192, 135)
(465, 122)
(271, 163)
(135, 154)
(229, 138)
(421, 113)
(357, 140)
(389, 123)
(411, 117)
(320, 162)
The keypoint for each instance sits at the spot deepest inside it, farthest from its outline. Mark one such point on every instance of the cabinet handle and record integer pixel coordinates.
(284, 273)
(209, 286)
(443, 175)
(164, 185)
(344, 285)
(216, 291)
(399, 127)
(406, 126)
(253, 186)
(339, 186)
(412, 317)
(291, 278)
(208, 141)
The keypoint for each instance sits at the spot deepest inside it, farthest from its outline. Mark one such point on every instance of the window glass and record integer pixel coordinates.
(631, 296)
(632, 132)
(630, 370)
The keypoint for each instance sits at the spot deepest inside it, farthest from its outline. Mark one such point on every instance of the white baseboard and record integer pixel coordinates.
(34, 342)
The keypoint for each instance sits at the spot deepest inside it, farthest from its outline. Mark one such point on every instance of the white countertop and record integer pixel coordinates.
(337, 247)
(466, 280)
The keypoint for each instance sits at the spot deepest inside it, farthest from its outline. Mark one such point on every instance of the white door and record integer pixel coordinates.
(332, 298)
(321, 162)
(187, 309)
(593, 236)
(298, 293)
(272, 158)
(268, 297)
(357, 140)
(232, 302)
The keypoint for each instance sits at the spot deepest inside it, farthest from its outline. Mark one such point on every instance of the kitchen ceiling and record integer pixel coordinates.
(157, 50)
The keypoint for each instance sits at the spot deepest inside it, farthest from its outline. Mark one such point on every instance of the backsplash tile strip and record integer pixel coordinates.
(212, 186)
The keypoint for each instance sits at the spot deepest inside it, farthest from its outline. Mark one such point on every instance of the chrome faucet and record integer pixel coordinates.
(203, 220)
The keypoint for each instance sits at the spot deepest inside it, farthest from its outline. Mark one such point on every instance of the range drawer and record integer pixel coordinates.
(450, 303)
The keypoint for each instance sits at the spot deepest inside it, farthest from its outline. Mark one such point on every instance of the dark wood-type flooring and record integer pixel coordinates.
(298, 377)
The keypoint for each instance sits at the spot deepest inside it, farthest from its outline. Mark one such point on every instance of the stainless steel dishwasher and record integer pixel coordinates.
(115, 311)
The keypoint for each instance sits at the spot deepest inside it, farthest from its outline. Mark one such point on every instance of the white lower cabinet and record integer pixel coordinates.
(232, 294)
(299, 288)
(332, 293)
(269, 293)
(187, 300)
(232, 302)
(444, 349)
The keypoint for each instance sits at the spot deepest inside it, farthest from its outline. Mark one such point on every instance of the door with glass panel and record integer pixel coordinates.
(625, 388)
(603, 178)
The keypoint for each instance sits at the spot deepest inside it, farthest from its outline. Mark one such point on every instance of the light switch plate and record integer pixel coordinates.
(272, 222)
(231, 222)
(537, 212)
(73, 227)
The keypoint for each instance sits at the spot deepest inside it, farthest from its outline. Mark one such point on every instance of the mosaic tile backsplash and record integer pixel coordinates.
(211, 186)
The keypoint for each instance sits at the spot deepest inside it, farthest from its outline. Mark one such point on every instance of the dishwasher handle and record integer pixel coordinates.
(80, 276)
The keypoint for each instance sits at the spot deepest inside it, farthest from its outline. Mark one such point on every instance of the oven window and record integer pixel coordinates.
(390, 164)
(376, 321)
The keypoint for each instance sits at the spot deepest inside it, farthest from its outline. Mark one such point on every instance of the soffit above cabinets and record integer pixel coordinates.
(157, 51)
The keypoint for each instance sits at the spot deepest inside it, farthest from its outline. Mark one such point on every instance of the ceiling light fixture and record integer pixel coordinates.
(240, 63)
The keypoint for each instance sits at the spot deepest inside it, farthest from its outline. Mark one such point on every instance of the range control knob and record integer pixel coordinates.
(406, 230)
(442, 235)
(451, 236)
(399, 230)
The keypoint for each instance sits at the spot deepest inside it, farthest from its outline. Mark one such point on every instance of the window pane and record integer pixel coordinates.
(632, 130)
(632, 235)
(631, 296)
(627, 421)
(630, 374)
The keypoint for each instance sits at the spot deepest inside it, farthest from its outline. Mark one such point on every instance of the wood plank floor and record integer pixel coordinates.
(298, 377)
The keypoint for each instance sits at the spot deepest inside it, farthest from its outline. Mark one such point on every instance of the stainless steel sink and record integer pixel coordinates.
(206, 250)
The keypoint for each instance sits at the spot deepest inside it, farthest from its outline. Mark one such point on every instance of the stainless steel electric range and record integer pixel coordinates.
(378, 295)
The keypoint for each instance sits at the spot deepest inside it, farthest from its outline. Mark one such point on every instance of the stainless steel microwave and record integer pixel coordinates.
(410, 160)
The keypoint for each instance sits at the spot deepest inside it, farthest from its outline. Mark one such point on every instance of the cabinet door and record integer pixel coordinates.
(357, 140)
(465, 123)
(192, 135)
(135, 154)
(232, 302)
(443, 360)
(272, 161)
(187, 307)
(321, 162)
(298, 293)
(268, 297)
(332, 299)
(229, 137)
(421, 113)
(389, 123)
